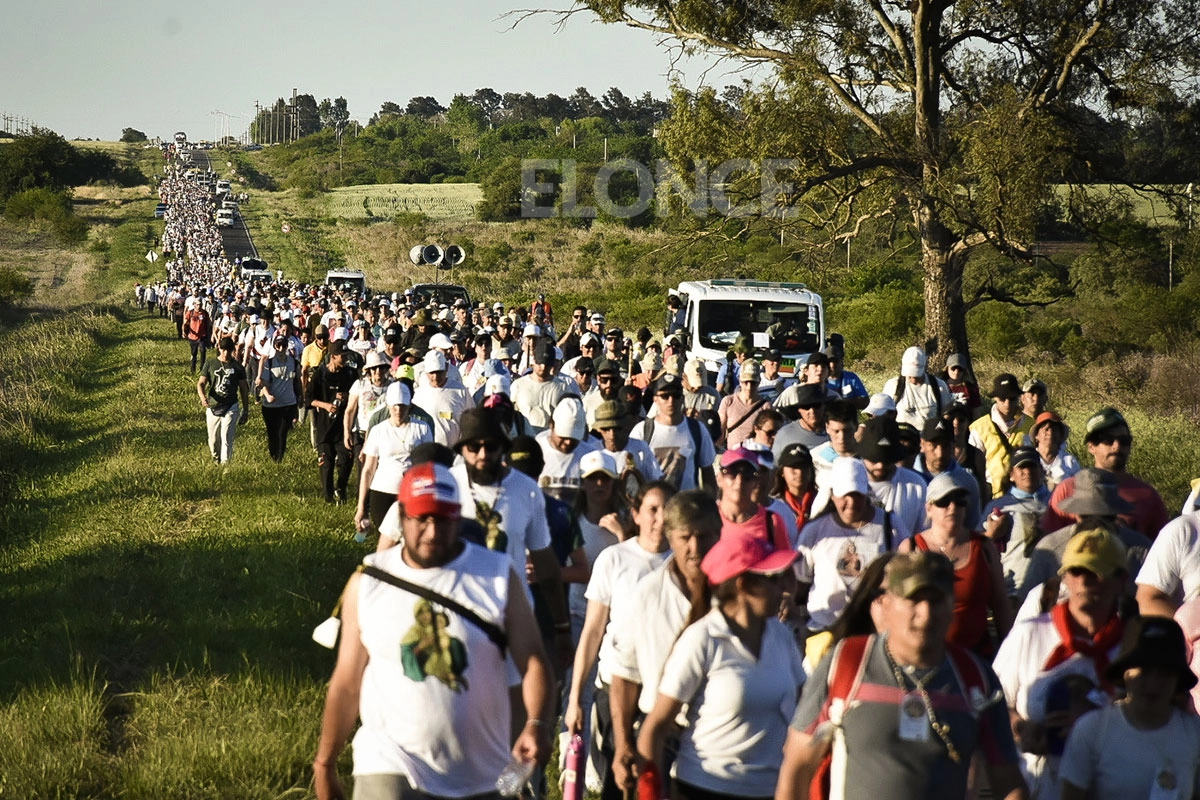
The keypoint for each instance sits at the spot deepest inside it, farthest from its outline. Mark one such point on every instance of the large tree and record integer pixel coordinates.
(952, 117)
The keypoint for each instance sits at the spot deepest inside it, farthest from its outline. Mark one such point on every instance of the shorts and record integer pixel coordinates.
(396, 787)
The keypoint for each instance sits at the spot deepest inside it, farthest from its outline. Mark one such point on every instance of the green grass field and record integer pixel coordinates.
(438, 201)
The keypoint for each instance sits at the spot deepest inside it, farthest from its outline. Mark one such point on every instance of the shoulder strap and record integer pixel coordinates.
(887, 530)
(694, 429)
(937, 390)
(920, 542)
(970, 678)
(1008, 446)
(901, 385)
(493, 631)
(648, 430)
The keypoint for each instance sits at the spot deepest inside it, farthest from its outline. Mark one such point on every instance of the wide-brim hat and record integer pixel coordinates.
(481, 423)
(1095, 495)
(1152, 642)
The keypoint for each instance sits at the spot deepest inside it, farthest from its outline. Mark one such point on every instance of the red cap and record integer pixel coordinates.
(736, 553)
(429, 490)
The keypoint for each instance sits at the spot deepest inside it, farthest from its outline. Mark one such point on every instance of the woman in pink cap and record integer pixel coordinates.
(738, 670)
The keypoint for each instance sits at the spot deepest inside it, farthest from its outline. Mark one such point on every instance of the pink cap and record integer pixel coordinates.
(736, 553)
(731, 457)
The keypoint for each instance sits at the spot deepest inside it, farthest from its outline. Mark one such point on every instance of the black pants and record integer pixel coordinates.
(602, 745)
(278, 421)
(179, 324)
(378, 504)
(199, 347)
(333, 456)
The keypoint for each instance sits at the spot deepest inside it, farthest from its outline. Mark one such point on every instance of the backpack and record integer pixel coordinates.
(694, 429)
(846, 668)
(931, 379)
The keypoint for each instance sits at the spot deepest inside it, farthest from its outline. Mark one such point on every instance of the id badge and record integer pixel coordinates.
(914, 720)
(1166, 785)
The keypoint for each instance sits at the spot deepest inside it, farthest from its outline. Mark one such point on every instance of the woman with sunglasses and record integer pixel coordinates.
(740, 513)
(979, 587)
(738, 671)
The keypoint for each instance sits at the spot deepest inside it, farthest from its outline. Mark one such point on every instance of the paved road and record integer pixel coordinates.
(236, 237)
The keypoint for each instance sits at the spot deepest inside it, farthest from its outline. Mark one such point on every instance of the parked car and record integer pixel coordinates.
(160, 210)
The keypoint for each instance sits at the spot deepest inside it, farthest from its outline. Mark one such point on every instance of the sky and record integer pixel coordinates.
(89, 68)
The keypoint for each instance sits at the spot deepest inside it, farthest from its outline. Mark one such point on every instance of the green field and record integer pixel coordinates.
(437, 201)
(1146, 205)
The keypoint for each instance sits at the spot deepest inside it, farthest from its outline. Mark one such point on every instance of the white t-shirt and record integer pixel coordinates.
(904, 496)
(920, 400)
(536, 399)
(642, 633)
(561, 470)
(419, 718)
(615, 575)
(521, 506)
(1113, 760)
(833, 558)
(739, 706)
(676, 451)
(1027, 686)
(446, 407)
(595, 541)
(1173, 564)
(637, 454)
(393, 446)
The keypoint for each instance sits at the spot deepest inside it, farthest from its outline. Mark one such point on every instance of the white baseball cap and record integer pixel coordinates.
(532, 330)
(912, 365)
(398, 394)
(597, 461)
(435, 361)
(848, 475)
(879, 405)
(569, 419)
(440, 341)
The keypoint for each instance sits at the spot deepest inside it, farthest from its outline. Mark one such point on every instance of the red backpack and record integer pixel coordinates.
(845, 677)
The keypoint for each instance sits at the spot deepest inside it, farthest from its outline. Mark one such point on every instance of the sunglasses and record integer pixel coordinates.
(770, 432)
(954, 498)
(480, 444)
(744, 472)
(1124, 441)
(577, 316)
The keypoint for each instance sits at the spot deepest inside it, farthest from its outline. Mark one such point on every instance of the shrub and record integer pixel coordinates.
(15, 287)
(49, 207)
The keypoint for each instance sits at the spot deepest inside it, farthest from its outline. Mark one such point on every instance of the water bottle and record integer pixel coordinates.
(514, 777)
(361, 530)
(573, 770)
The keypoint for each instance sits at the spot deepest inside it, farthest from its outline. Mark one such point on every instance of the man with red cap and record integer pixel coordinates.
(426, 667)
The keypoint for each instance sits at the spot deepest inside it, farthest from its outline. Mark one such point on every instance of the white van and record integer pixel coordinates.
(352, 279)
(224, 217)
(223, 187)
(787, 317)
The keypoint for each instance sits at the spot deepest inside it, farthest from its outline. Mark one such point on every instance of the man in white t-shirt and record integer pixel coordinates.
(1171, 572)
(682, 446)
(918, 394)
(441, 402)
(404, 663)
(536, 395)
(894, 488)
(563, 444)
(611, 428)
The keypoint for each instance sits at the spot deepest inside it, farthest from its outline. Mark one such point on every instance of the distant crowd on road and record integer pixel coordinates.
(754, 585)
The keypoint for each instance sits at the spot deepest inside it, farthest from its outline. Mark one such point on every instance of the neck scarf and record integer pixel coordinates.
(1074, 640)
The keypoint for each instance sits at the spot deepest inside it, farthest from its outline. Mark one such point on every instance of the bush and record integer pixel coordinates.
(50, 207)
(879, 320)
(14, 287)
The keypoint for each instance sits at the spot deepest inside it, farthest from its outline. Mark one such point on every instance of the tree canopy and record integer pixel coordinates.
(952, 119)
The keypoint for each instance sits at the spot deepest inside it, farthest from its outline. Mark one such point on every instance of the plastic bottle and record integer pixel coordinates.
(514, 777)
(361, 530)
(573, 769)
(649, 785)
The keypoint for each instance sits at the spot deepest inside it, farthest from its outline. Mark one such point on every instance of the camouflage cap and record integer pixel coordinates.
(909, 573)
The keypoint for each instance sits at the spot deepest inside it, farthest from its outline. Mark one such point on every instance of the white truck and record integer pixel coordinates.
(354, 279)
(224, 217)
(787, 317)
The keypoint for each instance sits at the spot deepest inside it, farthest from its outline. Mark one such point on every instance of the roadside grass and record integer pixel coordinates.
(157, 607)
